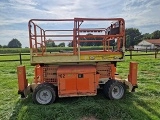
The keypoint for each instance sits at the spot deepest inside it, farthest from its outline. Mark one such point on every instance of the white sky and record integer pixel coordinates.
(15, 14)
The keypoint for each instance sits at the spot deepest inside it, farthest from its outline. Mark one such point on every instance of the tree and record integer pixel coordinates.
(61, 44)
(70, 44)
(87, 43)
(50, 43)
(99, 43)
(14, 43)
(147, 36)
(133, 36)
(0, 46)
(5, 46)
(128, 41)
(156, 34)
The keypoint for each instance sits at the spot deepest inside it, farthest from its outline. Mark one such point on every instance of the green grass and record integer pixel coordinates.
(14, 56)
(144, 104)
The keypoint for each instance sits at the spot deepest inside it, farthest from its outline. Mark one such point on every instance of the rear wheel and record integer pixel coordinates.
(44, 94)
(114, 89)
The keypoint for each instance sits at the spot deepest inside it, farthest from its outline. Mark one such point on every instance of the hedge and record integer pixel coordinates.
(51, 49)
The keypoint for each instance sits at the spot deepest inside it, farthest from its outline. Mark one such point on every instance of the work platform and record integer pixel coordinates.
(69, 57)
(78, 34)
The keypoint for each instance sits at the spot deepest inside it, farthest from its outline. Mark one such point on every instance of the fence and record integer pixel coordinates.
(154, 52)
(13, 60)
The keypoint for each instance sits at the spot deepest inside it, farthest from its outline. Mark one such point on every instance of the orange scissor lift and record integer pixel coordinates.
(79, 72)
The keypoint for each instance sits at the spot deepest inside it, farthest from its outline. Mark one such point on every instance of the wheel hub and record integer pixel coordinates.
(117, 92)
(44, 96)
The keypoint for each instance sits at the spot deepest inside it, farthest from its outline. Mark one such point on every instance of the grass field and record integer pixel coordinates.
(144, 104)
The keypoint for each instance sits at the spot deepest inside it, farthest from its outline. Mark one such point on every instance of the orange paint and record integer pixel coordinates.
(38, 39)
(113, 71)
(77, 80)
(132, 77)
(106, 70)
(22, 81)
(38, 74)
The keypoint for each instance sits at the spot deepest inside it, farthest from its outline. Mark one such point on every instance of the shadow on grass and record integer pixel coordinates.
(77, 107)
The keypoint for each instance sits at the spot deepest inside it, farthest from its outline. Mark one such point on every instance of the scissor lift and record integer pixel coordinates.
(77, 72)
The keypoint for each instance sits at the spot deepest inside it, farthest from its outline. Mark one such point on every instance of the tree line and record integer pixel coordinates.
(14, 43)
(133, 37)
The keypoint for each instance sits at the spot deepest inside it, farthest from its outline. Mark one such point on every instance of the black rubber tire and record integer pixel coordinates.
(46, 90)
(54, 87)
(114, 89)
(49, 84)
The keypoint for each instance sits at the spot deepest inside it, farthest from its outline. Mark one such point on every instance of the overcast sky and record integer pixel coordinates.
(15, 14)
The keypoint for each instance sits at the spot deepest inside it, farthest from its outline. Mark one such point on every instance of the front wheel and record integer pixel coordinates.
(114, 89)
(44, 94)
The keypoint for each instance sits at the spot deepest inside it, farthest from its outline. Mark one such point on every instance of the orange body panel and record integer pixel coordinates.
(67, 85)
(77, 80)
(22, 81)
(132, 77)
(86, 84)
